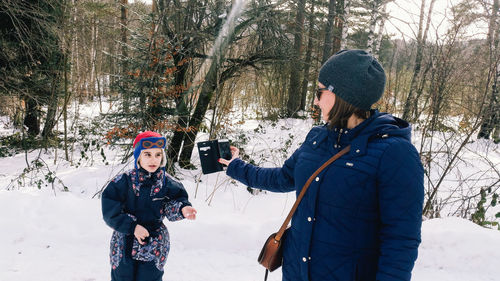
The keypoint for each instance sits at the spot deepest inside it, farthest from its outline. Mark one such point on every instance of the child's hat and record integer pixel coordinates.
(146, 140)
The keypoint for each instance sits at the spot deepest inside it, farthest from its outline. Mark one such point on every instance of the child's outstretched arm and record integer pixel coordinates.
(112, 206)
(178, 205)
(175, 210)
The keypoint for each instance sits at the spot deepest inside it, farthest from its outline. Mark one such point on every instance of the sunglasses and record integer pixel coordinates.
(149, 144)
(319, 91)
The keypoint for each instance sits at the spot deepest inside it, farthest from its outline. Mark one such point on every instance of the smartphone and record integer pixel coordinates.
(210, 152)
(224, 149)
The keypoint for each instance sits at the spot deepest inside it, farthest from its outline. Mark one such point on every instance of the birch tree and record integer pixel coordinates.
(345, 23)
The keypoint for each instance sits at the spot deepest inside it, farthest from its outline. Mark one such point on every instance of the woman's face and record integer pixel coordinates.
(325, 102)
(150, 159)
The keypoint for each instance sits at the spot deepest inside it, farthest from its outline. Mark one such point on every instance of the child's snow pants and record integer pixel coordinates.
(132, 270)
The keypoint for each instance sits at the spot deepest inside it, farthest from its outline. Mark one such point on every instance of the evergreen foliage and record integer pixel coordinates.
(31, 55)
(148, 84)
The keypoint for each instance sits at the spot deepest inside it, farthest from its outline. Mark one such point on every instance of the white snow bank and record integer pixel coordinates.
(63, 237)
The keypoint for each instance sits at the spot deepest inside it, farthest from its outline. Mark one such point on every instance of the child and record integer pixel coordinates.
(135, 203)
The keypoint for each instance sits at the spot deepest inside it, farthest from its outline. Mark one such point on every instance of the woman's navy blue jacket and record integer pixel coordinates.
(361, 217)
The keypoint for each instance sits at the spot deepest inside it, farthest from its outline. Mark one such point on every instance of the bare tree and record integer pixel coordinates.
(453, 69)
(411, 102)
(220, 68)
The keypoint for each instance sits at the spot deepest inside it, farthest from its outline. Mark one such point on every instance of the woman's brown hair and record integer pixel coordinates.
(341, 111)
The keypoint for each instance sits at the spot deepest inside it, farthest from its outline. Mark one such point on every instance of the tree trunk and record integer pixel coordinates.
(124, 49)
(209, 84)
(50, 121)
(419, 90)
(328, 42)
(421, 37)
(175, 144)
(216, 74)
(374, 17)
(338, 26)
(65, 105)
(92, 56)
(345, 16)
(212, 80)
(380, 33)
(207, 90)
(31, 117)
(496, 124)
(293, 102)
(308, 60)
(389, 79)
(184, 24)
(490, 113)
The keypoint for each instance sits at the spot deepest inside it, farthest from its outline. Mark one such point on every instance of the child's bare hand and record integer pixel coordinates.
(189, 212)
(235, 152)
(141, 233)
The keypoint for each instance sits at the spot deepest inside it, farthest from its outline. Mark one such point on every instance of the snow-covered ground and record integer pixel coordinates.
(61, 238)
(51, 235)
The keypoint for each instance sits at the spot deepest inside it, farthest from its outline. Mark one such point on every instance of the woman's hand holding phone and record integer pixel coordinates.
(235, 152)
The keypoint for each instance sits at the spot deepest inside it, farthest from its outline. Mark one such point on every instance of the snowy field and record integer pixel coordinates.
(51, 235)
(62, 238)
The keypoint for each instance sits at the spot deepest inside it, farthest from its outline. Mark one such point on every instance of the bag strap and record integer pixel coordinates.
(304, 189)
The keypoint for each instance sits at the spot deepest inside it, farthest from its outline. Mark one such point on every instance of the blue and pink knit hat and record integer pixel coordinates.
(146, 140)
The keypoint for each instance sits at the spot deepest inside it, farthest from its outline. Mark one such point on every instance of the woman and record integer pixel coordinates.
(361, 217)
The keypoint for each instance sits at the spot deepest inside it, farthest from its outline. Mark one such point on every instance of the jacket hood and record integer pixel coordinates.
(379, 125)
(383, 124)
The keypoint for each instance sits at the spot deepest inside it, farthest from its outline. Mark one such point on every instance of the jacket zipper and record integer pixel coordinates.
(338, 138)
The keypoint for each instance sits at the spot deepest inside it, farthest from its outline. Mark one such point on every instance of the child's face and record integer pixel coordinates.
(150, 159)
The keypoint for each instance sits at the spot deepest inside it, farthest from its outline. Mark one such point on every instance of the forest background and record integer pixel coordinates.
(187, 67)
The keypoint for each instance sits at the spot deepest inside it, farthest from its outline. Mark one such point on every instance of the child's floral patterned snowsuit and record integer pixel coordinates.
(140, 197)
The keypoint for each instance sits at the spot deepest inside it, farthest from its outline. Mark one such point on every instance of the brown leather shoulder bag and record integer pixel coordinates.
(271, 255)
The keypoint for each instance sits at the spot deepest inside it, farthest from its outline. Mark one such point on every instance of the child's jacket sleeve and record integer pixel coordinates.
(178, 199)
(113, 200)
(172, 210)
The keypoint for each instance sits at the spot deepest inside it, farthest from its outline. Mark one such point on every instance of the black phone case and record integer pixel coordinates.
(210, 152)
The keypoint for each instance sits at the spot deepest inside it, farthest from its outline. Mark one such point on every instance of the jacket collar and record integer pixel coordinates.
(140, 177)
(378, 125)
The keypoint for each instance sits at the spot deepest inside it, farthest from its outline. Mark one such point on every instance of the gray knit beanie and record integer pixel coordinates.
(355, 76)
